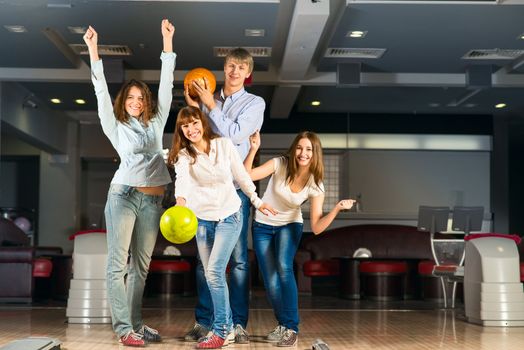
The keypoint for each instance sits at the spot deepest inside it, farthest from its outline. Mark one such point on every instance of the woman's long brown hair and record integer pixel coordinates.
(185, 116)
(316, 166)
(120, 102)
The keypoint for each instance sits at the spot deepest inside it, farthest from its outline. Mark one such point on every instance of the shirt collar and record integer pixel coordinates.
(233, 96)
(212, 147)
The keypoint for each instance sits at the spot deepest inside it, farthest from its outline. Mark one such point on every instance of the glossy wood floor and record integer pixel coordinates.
(340, 323)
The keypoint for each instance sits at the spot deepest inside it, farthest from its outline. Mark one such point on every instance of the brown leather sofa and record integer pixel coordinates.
(384, 241)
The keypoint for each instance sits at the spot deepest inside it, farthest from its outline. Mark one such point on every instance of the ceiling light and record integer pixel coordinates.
(500, 105)
(434, 104)
(315, 103)
(254, 32)
(56, 100)
(77, 30)
(59, 4)
(16, 28)
(356, 34)
(80, 101)
(470, 105)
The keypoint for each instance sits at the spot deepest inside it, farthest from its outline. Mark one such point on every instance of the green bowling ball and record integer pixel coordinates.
(178, 224)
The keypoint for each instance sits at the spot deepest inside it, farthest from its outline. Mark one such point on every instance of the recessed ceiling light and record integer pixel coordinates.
(56, 100)
(470, 105)
(434, 104)
(356, 33)
(80, 101)
(315, 103)
(254, 32)
(521, 36)
(77, 30)
(16, 28)
(500, 105)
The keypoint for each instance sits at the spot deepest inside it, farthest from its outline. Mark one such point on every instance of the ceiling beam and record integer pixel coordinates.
(308, 21)
(55, 75)
(283, 100)
(58, 40)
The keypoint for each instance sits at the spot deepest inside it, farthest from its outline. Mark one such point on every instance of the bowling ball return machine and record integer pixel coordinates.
(489, 267)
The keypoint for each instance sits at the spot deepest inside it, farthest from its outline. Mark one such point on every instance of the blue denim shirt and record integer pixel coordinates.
(237, 117)
(139, 147)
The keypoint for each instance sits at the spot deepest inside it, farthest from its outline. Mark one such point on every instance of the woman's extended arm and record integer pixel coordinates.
(318, 222)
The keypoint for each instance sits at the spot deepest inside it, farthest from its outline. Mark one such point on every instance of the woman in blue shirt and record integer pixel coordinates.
(135, 126)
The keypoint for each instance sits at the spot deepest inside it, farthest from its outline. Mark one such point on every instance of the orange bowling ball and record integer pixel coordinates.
(199, 74)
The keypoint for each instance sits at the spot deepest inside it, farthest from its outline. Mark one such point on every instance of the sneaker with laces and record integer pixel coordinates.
(290, 338)
(149, 334)
(198, 331)
(132, 339)
(241, 336)
(276, 334)
(211, 341)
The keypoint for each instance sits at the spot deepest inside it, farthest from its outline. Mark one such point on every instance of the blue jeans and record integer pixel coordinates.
(275, 247)
(132, 219)
(238, 278)
(215, 241)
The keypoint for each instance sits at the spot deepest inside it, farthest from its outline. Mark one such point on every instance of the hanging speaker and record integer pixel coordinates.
(348, 74)
(478, 76)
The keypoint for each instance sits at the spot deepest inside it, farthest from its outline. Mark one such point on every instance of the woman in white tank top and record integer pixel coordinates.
(295, 177)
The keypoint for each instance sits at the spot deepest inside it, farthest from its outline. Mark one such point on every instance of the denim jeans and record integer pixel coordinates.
(132, 219)
(238, 278)
(215, 241)
(275, 247)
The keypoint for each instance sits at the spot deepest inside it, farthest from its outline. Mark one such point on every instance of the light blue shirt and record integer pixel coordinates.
(139, 147)
(237, 117)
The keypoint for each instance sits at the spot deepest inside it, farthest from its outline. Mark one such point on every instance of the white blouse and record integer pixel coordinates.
(207, 185)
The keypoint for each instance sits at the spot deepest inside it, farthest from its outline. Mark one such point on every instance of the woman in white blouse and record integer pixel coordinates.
(205, 167)
(295, 178)
(135, 128)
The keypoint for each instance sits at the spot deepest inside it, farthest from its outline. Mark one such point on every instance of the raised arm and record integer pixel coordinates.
(165, 89)
(105, 106)
(168, 30)
(91, 40)
(318, 222)
(265, 169)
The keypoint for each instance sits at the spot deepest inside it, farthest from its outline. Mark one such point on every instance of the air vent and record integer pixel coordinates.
(344, 52)
(492, 54)
(222, 51)
(103, 50)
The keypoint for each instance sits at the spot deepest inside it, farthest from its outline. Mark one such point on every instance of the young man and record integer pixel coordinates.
(233, 113)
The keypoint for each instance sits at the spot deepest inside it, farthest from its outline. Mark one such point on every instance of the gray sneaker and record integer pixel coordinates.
(241, 336)
(198, 331)
(276, 334)
(290, 338)
(149, 334)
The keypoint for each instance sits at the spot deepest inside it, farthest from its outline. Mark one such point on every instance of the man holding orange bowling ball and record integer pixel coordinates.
(235, 113)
